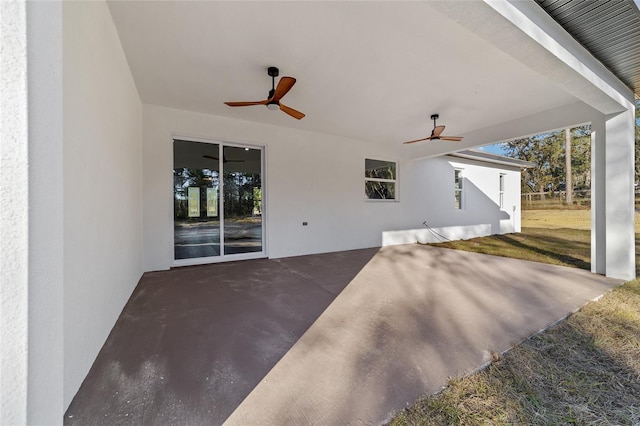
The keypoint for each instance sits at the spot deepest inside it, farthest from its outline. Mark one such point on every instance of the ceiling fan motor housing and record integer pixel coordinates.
(273, 73)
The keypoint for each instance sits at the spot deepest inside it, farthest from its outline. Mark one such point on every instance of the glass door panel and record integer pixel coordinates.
(242, 188)
(196, 199)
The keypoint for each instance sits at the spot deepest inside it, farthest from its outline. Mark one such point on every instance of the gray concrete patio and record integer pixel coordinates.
(337, 338)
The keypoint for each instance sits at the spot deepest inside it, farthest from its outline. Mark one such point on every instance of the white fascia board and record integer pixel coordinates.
(510, 164)
(532, 20)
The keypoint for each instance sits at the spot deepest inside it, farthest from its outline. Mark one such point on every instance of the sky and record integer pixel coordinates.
(496, 148)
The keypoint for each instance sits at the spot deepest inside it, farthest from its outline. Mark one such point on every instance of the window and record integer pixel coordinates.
(501, 190)
(457, 176)
(380, 179)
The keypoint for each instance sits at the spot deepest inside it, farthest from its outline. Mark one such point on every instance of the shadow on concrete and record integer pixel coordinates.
(335, 338)
(412, 318)
(192, 342)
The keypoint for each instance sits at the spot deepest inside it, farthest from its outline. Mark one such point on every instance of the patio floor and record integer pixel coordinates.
(337, 338)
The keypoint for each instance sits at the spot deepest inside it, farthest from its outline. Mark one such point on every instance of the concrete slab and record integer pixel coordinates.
(192, 342)
(338, 338)
(412, 318)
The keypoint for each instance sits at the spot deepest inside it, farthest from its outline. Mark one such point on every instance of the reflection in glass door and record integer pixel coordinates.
(242, 200)
(201, 172)
(196, 188)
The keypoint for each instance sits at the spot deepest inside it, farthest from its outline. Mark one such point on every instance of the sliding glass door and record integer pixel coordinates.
(217, 202)
(242, 200)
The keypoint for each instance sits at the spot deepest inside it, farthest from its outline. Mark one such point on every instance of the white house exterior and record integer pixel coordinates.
(489, 198)
(94, 95)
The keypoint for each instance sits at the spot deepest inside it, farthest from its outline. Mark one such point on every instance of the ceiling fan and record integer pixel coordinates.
(224, 159)
(437, 132)
(275, 94)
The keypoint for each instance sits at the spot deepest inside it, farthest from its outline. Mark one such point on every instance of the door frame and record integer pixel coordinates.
(222, 257)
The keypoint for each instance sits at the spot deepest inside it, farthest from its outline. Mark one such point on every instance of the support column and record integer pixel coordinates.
(620, 233)
(45, 381)
(612, 195)
(598, 203)
(568, 181)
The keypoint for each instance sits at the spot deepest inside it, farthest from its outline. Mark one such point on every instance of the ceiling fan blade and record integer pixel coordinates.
(240, 104)
(292, 112)
(211, 157)
(420, 140)
(437, 131)
(284, 85)
(451, 138)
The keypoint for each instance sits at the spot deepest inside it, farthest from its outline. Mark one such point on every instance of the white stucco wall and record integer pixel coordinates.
(319, 179)
(102, 185)
(312, 177)
(481, 196)
(432, 201)
(31, 214)
(14, 223)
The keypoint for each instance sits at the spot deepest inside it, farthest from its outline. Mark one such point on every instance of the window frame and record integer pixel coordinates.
(501, 190)
(458, 188)
(393, 181)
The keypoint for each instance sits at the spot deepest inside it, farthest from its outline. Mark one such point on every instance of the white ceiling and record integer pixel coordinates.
(370, 70)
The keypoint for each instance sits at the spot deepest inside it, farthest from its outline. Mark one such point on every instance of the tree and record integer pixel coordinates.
(547, 151)
(581, 157)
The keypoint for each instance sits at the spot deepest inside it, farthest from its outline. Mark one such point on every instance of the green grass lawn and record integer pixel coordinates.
(584, 370)
(558, 237)
(554, 219)
(563, 246)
